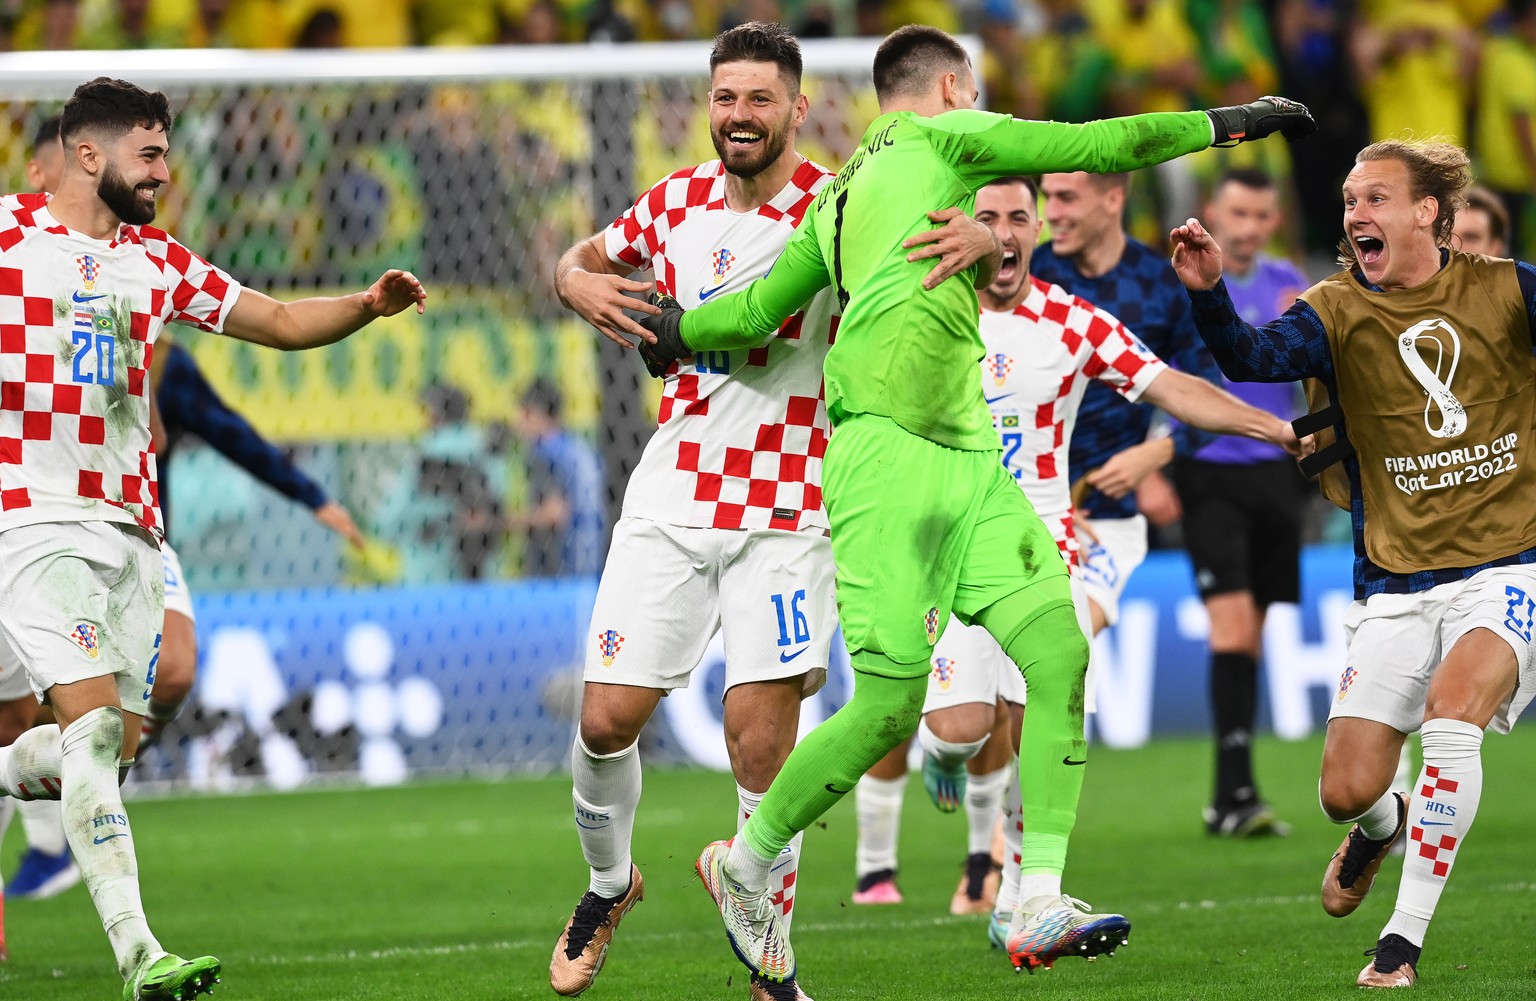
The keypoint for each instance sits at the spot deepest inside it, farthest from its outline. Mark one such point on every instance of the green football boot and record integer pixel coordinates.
(171, 978)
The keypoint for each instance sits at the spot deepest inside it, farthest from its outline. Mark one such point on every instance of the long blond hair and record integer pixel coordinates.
(1437, 169)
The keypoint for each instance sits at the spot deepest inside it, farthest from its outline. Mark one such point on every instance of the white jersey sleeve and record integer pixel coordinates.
(78, 323)
(740, 434)
(1038, 362)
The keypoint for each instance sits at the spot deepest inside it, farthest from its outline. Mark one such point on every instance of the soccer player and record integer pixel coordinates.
(79, 524)
(1242, 502)
(182, 402)
(722, 525)
(1424, 354)
(924, 518)
(1482, 224)
(1091, 255)
(1043, 347)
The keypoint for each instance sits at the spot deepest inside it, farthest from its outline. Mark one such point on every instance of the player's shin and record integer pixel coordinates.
(605, 791)
(31, 767)
(829, 762)
(1440, 814)
(1049, 648)
(97, 827)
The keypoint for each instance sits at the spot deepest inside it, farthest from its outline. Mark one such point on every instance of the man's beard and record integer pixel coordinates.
(771, 147)
(123, 199)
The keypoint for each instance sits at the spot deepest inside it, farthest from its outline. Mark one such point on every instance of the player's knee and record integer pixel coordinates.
(16, 719)
(1344, 796)
(608, 733)
(1052, 652)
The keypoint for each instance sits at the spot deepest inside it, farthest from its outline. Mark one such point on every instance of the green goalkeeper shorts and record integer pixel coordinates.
(920, 530)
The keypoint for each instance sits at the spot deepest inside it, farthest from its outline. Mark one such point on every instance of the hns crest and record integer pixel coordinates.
(723, 259)
(89, 271)
(608, 643)
(931, 624)
(84, 637)
(998, 365)
(944, 672)
(1346, 680)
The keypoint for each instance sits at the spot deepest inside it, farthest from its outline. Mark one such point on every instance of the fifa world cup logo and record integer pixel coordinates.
(944, 672)
(1453, 416)
(608, 643)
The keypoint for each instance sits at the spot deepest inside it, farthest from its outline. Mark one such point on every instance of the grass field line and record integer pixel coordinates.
(508, 945)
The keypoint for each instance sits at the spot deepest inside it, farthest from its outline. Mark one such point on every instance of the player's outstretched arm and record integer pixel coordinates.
(338, 519)
(1196, 401)
(321, 320)
(958, 244)
(593, 285)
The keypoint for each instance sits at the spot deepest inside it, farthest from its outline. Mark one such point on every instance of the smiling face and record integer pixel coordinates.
(752, 115)
(132, 169)
(1008, 207)
(1082, 212)
(1242, 219)
(1392, 233)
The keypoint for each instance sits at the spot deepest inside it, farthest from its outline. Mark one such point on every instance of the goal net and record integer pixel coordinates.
(453, 640)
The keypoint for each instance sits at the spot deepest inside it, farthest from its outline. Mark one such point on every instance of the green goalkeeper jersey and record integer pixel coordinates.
(902, 352)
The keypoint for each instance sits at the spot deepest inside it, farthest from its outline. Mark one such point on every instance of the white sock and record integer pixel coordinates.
(605, 789)
(983, 801)
(878, 804)
(1013, 851)
(43, 822)
(950, 753)
(31, 767)
(1381, 819)
(1039, 884)
(97, 826)
(1439, 816)
(747, 867)
(785, 869)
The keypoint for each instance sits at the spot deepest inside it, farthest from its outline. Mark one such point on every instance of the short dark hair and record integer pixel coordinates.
(445, 403)
(1491, 205)
(114, 107)
(1246, 177)
(1031, 183)
(545, 397)
(911, 57)
(47, 132)
(760, 42)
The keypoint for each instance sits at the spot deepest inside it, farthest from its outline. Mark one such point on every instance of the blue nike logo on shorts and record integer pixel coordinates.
(785, 657)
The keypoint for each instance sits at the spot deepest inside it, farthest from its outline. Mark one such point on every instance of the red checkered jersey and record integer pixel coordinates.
(78, 322)
(1039, 359)
(741, 433)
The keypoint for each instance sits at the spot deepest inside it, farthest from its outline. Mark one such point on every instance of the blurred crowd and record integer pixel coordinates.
(1463, 69)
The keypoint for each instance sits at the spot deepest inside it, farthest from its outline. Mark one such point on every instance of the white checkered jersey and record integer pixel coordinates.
(78, 322)
(741, 433)
(1039, 359)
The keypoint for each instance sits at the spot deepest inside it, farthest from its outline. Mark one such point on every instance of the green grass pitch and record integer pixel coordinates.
(458, 890)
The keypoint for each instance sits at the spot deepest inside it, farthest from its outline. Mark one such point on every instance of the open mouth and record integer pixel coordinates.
(1010, 265)
(743, 138)
(1370, 248)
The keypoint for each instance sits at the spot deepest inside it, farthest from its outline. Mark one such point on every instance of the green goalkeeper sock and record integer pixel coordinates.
(1048, 646)
(829, 762)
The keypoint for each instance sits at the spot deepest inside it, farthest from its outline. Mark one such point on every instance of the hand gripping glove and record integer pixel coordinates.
(668, 328)
(1263, 117)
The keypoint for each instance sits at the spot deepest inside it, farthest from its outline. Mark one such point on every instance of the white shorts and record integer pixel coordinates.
(666, 589)
(178, 598)
(968, 665)
(82, 600)
(1395, 642)
(1112, 549)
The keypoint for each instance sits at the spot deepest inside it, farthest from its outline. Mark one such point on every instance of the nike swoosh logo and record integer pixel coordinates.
(1068, 761)
(785, 658)
(78, 297)
(994, 399)
(590, 827)
(836, 791)
(109, 837)
(1436, 823)
(703, 294)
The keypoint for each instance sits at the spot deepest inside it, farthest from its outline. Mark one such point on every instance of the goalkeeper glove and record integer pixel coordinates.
(1263, 117)
(668, 328)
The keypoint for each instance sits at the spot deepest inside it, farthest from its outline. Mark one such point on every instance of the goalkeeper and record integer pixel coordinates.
(925, 520)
